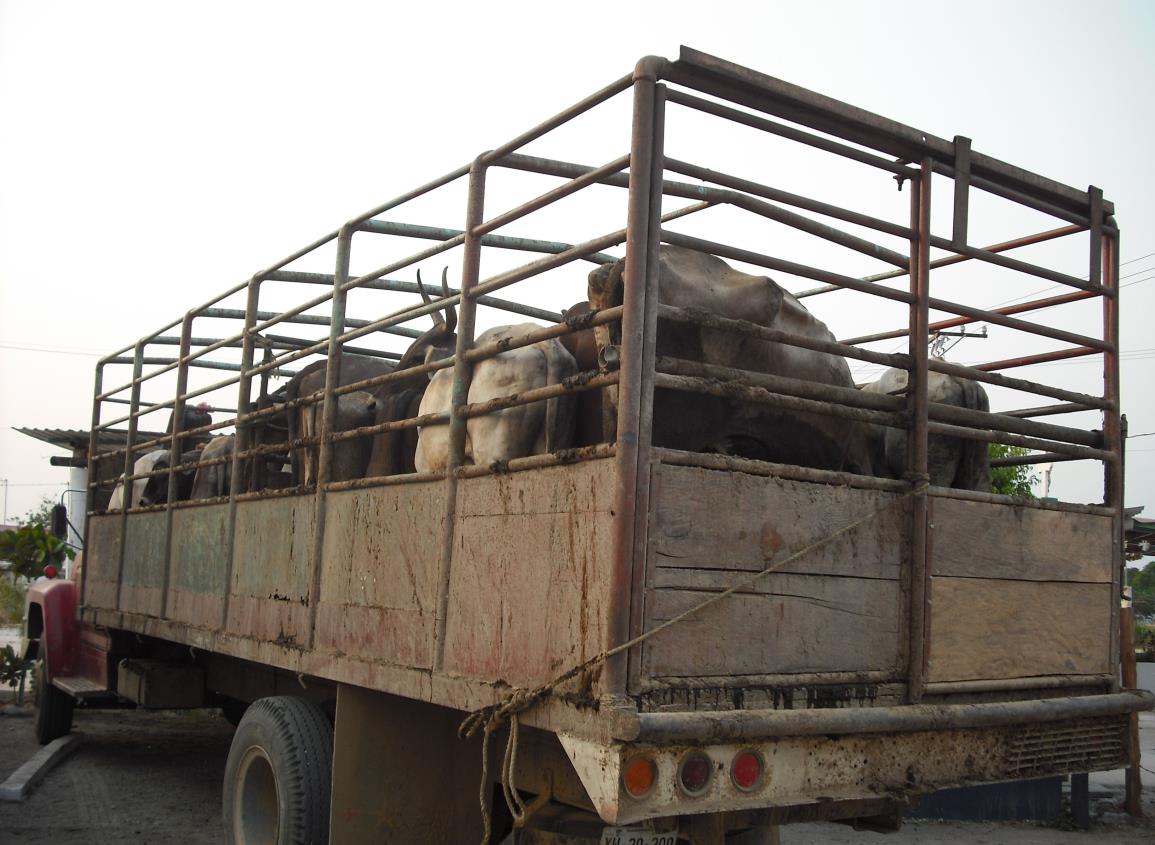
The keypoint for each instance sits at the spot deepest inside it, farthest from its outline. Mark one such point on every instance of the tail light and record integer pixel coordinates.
(638, 776)
(746, 770)
(694, 773)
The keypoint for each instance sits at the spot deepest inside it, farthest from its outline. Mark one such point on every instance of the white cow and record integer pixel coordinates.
(516, 432)
(145, 491)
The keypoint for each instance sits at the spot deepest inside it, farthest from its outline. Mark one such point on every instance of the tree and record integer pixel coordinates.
(1012, 480)
(41, 514)
(32, 547)
(1142, 583)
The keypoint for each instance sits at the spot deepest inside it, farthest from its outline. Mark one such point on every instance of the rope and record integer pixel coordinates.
(518, 700)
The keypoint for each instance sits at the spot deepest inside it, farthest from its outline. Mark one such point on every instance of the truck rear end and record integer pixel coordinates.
(651, 637)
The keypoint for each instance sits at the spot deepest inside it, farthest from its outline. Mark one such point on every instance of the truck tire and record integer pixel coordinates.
(279, 774)
(53, 706)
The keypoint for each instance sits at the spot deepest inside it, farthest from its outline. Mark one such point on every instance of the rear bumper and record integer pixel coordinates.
(821, 756)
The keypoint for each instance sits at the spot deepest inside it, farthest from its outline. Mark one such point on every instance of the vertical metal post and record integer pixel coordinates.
(630, 385)
(962, 187)
(129, 460)
(462, 374)
(174, 452)
(252, 302)
(1105, 253)
(916, 440)
(328, 422)
(646, 387)
(93, 470)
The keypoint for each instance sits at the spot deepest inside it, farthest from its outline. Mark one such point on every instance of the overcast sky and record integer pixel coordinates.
(153, 154)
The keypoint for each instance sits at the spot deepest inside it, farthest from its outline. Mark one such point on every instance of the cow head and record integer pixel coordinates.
(439, 341)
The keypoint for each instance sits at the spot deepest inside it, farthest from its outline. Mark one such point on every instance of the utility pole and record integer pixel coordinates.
(5, 520)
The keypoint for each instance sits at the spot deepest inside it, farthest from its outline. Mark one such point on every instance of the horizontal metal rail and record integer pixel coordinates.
(1042, 358)
(988, 376)
(677, 457)
(1011, 439)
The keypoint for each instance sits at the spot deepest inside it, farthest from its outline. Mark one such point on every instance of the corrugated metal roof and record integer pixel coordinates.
(72, 439)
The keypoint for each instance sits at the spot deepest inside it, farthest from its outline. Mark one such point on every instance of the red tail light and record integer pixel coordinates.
(639, 775)
(746, 770)
(694, 773)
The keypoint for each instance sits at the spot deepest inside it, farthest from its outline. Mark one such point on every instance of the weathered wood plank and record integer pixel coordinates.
(101, 561)
(380, 559)
(983, 540)
(810, 624)
(199, 562)
(144, 563)
(705, 518)
(984, 628)
(530, 580)
(271, 575)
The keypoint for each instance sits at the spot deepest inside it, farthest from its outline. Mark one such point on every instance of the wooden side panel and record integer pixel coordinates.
(983, 628)
(144, 563)
(984, 540)
(271, 577)
(530, 580)
(101, 561)
(379, 581)
(199, 562)
(837, 608)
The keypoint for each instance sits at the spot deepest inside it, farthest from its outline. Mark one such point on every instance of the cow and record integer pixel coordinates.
(733, 426)
(951, 461)
(384, 453)
(515, 432)
(590, 422)
(214, 480)
(145, 491)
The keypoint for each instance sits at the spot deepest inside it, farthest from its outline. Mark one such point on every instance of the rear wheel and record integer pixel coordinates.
(279, 774)
(53, 706)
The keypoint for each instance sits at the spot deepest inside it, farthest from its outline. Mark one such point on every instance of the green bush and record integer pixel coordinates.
(11, 602)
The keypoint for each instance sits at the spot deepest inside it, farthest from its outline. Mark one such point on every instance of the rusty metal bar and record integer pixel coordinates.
(654, 219)
(541, 201)
(962, 184)
(790, 218)
(639, 218)
(173, 458)
(439, 418)
(328, 424)
(93, 471)
(1036, 683)
(709, 320)
(997, 499)
(410, 230)
(1042, 358)
(917, 437)
(709, 387)
(675, 457)
(1027, 240)
(755, 122)
(1048, 410)
(785, 385)
(1035, 458)
(982, 374)
(383, 480)
(573, 384)
(1107, 253)
(781, 265)
(751, 88)
(129, 441)
(395, 286)
(1020, 266)
(1013, 425)
(563, 457)
(969, 433)
(705, 727)
(462, 375)
(533, 268)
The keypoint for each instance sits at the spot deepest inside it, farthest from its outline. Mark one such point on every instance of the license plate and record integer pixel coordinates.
(636, 836)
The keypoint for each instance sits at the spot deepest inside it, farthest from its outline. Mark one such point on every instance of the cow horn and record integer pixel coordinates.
(438, 321)
(450, 311)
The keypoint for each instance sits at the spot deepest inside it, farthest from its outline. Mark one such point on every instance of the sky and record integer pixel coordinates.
(155, 154)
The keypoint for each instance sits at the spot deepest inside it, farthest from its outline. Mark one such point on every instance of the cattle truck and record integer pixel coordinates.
(622, 639)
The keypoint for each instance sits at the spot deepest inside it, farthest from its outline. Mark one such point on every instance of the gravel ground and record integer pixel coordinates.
(154, 777)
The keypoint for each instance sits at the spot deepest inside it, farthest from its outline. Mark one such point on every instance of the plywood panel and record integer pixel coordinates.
(984, 540)
(102, 561)
(271, 576)
(199, 564)
(530, 579)
(794, 623)
(727, 520)
(381, 555)
(144, 563)
(983, 628)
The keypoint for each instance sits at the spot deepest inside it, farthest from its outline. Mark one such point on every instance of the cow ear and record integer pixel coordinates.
(436, 353)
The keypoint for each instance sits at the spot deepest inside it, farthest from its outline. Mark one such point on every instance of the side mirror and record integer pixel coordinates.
(60, 521)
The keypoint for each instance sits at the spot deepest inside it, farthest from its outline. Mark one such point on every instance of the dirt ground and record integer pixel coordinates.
(156, 778)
